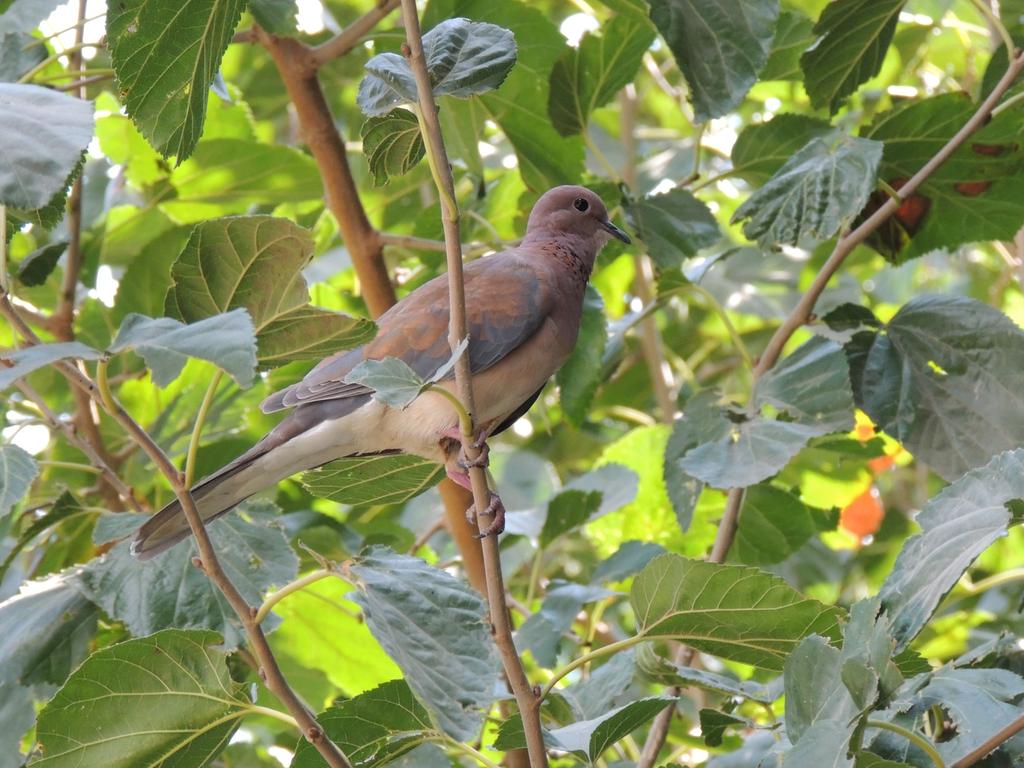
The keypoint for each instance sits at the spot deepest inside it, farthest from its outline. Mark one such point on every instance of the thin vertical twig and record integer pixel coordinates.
(526, 697)
(801, 313)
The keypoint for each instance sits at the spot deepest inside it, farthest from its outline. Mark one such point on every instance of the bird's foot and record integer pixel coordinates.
(495, 508)
(479, 446)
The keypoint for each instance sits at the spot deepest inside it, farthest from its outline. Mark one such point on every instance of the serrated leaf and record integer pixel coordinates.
(773, 525)
(463, 58)
(629, 558)
(970, 197)
(826, 746)
(371, 480)
(733, 450)
(588, 739)
(566, 511)
(17, 471)
(228, 341)
(814, 689)
(595, 695)
(942, 379)
(64, 507)
(392, 144)
(794, 33)
(580, 376)
(588, 76)
(735, 612)
(762, 149)
(713, 724)
(373, 728)
(48, 629)
(541, 633)
(256, 263)
(165, 700)
(853, 36)
(814, 192)
(165, 68)
(168, 591)
(719, 46)
(19, 363)
(393, 382)
(670, 673)
(434, 627)
(37, 266)
(43, 133)
(683, 490)
(957, 525)
(673, 226)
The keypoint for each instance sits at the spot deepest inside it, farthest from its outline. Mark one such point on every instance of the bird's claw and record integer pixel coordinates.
(483, 456)
(496, 508)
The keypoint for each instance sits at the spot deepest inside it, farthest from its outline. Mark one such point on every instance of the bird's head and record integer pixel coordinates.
(573, 213)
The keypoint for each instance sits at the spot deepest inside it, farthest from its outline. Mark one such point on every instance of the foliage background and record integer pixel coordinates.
(604, 474)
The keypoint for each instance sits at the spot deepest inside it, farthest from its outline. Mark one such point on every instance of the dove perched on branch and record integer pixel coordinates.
(523, 310)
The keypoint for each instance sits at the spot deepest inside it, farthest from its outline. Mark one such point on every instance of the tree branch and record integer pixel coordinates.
(349, 37)
(990, 744)
(269, 670)
(527, 699)
(802, 312)
(297, 68)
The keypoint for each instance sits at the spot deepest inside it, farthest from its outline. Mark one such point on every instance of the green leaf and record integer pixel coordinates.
(720, 47)
(371, 480)
(979, 702)
(256, 262)
(168, 591)
(326, 636)
(941, 377)
(670, 673)
(826, 746)
(957, 525)
(971, 197)
(434, 627)
(24, 15)
(683, 490)
(672, 225)
(16, 718)
(814, 689)
(762, 149)
(853, 36)
(17, 471)
(227, 176)
(735, 612)
(773, 525)
(588, 739)
(580, 376)
(48, 629)
(594, 696)
(37, 266)
(794, 33)
(463, 58)
(734, 450)
(541, 633)
(713, 724)
(568, 510)
(820, 188)
(64, 507)
(165, 68)
(43, 133)
(392, 144)
(462, 125)
(164, 700)
(393, 382)
(588, 76)
(629, 558)
(228, 341)
(275, 16)
(20, 363)
(373, 728)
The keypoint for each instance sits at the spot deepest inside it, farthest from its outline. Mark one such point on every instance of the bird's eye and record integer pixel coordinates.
(580, 204)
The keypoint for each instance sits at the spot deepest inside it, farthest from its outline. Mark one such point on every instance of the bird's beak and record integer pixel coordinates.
(616, 232)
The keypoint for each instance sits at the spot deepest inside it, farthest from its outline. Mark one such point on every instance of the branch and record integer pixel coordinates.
(349, 38)
(269, 670)
(802, 312)
(297, 67)
(430, 127)
(997, 739)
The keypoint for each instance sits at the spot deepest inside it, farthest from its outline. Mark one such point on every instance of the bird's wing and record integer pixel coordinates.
(506, 303)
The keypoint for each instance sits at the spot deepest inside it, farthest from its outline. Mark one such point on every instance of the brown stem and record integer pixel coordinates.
(349, 37)
(995, 740)
(802, 312)
(297, 67)
(270, 672)
(526, 698)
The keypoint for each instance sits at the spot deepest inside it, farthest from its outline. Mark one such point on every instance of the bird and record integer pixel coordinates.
(523, 311)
